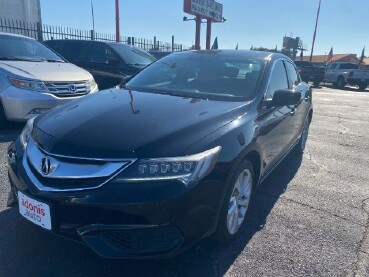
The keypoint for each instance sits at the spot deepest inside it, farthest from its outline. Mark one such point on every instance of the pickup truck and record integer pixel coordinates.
(340, 74)
(310, 72)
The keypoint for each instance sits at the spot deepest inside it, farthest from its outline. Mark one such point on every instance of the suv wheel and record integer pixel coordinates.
(340, 83)
(236, 202)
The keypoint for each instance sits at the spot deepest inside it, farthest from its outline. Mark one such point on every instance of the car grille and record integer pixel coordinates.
(143, 241)
(68, 89)
(69, 173)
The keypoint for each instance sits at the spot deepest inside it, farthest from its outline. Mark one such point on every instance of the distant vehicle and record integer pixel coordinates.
(160, 54)
(169, 159)
(309, 72)
(340, 74)
(34, 79)
(108, 62)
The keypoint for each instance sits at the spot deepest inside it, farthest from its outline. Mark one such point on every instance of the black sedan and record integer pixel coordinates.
(172, 157)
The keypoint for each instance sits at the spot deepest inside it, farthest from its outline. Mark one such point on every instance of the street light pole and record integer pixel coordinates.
(316, 26)
(117, 31)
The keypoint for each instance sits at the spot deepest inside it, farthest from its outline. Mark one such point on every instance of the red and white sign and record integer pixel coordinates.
(34, 211)
(205, 8)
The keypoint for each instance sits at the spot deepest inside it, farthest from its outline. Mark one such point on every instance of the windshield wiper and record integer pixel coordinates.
(138, 64)
(52, 61)
(12, 59)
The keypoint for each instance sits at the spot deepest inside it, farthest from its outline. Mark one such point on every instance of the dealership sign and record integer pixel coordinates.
(205, 8)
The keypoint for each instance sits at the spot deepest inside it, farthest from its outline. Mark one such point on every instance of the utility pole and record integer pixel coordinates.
(93, 17)
(117, 32)
(198, 32)
(316, 26)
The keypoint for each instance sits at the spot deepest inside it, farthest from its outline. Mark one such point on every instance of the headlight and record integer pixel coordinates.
(187, 169)
(92, 84)
(29, 85)
(26, 133)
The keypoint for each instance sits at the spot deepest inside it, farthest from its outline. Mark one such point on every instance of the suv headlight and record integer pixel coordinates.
(26, 133)
(187, 169)
(29, 84)
(92, 84)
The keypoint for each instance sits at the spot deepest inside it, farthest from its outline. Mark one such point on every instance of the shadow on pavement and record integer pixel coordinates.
(27, 250)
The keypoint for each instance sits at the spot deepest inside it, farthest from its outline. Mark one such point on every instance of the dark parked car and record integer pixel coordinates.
(108, 62)
(166, 161)
(309, 72)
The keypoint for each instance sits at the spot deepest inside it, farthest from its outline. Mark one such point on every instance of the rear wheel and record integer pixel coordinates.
(340, 82)
(304, 136)
(236, 202)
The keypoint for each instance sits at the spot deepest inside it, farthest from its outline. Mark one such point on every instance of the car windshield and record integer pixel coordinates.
(209, 76)
(133, 55)
(23, 49)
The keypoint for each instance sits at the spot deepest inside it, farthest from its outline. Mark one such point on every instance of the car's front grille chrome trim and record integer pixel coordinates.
(69, 170)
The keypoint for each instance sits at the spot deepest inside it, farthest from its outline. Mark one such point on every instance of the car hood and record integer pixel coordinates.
(45, 71)
(120, 123)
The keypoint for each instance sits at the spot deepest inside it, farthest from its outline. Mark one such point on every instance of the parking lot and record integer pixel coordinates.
(309, 217)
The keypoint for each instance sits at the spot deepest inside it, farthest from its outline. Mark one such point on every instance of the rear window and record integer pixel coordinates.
(349, 66)
(132, 55)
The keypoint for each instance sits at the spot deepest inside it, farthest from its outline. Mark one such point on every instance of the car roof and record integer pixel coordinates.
(236, 53)
(14, 35)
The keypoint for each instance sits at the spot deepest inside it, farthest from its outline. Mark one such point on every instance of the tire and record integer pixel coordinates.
(362, 86)
(236, 206)
(300, 147)
(340, 82)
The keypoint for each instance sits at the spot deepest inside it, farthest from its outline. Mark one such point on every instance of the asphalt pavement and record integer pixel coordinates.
(308, 218)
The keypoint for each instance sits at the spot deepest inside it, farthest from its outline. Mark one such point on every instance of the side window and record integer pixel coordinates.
(333, 66)
(278, 79)
(102, 54)
(293, 79)
(75, 51)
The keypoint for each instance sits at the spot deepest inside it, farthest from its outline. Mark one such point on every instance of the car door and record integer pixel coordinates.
(298, 112)
(104, 66)
(274, 120)
(76, 52)
(330, 73)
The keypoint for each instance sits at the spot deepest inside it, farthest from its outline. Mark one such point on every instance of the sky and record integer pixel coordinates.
(343, 24)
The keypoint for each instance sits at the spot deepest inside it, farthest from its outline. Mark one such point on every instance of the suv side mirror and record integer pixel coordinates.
(285, 97)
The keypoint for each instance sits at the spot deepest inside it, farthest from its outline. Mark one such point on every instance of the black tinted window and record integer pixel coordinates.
(73, 51)
(133, 55)
(278, 79)
(292, 76)
(348, 66)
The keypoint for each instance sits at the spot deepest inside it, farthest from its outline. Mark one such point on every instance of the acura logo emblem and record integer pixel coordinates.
(72, 88)
(46, 166)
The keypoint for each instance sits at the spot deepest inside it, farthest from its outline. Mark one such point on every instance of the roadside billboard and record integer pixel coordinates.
(208, 9)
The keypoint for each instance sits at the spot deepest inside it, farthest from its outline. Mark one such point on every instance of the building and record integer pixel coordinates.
(322, 59)
(21, 10)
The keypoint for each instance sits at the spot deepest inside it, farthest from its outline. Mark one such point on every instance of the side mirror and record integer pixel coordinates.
(125, 80)
(285, 97)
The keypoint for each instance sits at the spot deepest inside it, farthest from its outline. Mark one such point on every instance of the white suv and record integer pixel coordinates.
(34, 79)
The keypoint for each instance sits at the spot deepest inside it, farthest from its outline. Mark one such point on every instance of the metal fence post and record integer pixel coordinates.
(129, 40)
(92, 34)
(172, 43)
(154, 48)
(133, 40)
(39, 32)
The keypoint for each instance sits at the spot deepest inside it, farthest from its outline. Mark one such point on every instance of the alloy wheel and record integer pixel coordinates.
(239, 201)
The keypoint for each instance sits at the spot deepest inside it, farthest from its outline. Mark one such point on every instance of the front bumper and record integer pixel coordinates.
(21, 105)
(145, 220)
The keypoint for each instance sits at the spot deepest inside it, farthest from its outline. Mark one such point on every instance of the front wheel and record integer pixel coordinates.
(3, 121)
(236, 202)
